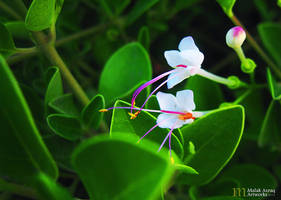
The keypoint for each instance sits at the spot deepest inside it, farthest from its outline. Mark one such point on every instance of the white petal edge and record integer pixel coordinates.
(174, 58)
(177, 77)
(187, 43)
(166, 101)
(185, 100)
(169, 121)
(192, 57)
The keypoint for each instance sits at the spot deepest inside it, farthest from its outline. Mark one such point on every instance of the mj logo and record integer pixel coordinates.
(239, 192)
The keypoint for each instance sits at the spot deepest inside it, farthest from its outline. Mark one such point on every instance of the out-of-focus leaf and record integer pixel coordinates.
(126, 68)
(125, 169)
(115, 7)
(55, 88)
(274, 87)
(48, 189)
(207, 94)
(144, 37)
(227, 6)
(90, 115)
(270, 36)
(271, 126)
(139, 8)
(17, 29)
(65, 126)
(42, 14)
(145, 121)
(216, 137)
(65, 104)
(23, 153)
(7, 45)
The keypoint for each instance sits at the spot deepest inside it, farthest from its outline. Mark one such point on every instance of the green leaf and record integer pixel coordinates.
(23, 153)
(270, 36)
(17, 29)
(207, 93)
(145, 121)
(271, 126)
(216, 137)
(274, 87)
(115, 7)
(48, 189)
(144, 37)
(249, 176)
(139, 8)
(42, 14)
(119, 168)
(126, 68)
(90, 115)
(65, 104)
(65, 126)
(54, 88)
(227, 6)
(7, 45)
(185, 169)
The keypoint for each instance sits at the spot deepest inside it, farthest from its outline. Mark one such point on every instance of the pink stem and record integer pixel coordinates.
(170, 132)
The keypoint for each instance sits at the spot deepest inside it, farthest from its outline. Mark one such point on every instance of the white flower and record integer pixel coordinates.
(235, 37)
(181, 107)
(188, 60)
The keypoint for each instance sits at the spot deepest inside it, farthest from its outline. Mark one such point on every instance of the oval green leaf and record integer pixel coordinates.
(90, 115)
(126, 68)
(216, 137)
(119, 168)
(66, 126)
(23, 153)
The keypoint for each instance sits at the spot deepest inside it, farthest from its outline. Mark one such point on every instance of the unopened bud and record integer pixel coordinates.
(235, 37)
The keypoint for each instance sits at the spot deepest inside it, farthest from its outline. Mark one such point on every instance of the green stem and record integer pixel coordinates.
(17, 189)
(26, 50)
(10, 11)
(241, 55)
(243, 96)
(52, 54)
(256, 46)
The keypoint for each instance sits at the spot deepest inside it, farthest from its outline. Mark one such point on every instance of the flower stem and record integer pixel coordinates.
(215, 78)
(243, 96)
(256, 46)
(241, 55)
(52, 54)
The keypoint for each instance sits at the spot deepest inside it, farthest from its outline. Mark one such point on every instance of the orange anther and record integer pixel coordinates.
(186, 116)
(103, 110)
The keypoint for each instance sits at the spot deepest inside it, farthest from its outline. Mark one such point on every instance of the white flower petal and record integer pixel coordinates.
(185, 100)
(187, 43)
(174, 58)
(169, 121)
(192, 57)
(167, 101)
(179, 76)
(188, 121)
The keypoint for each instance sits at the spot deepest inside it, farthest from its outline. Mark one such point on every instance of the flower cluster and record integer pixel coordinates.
(176, 111)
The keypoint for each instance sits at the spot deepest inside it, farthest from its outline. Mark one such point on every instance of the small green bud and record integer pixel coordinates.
(248, 66)
(236, 83)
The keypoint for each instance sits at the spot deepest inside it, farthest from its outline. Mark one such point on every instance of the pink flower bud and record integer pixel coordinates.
(235, 37)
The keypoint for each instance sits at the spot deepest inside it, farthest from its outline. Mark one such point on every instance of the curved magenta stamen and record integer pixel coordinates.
(184, 66)
(136, 93)
(170, 132)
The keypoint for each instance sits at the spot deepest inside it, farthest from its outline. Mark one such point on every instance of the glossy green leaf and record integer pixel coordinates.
(66, 126)
(119, 168)
(17, 29)
(139, 8)
(91, 117)
(227, 6)
(48, 189)
(270, 36)
(7, 45)
(126, 68)
(271, 126)
(23, 153)
(216, 137)
(185, 169)
(144, 37)
(65, 104)
(55, 88)
(274, 87)
(249, 176)
(40, 15)
(145, 121)
(207, 93)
